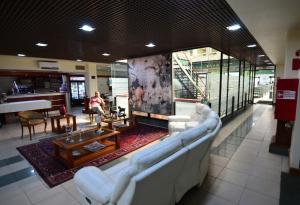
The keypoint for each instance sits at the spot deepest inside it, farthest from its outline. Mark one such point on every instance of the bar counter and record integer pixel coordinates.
(57, 99)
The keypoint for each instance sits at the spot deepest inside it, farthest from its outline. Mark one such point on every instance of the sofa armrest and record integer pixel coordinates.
(94, 184)
(179, 118)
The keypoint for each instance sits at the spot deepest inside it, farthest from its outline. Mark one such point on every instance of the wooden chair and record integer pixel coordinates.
(30, 119)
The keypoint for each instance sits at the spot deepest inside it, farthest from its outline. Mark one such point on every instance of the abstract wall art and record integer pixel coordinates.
(150, 84)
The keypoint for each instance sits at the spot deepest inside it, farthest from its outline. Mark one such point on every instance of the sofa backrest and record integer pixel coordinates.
(156, 184)
(150, 156)
(192, 173)
(140, 163)
(190, 135)
(212, 121)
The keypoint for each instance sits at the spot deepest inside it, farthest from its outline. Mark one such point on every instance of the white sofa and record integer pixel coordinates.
(160, 174)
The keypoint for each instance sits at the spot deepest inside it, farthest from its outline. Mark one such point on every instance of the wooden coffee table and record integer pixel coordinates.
(74, 154)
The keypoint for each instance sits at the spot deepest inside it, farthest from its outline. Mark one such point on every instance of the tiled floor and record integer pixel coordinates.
(241, 171)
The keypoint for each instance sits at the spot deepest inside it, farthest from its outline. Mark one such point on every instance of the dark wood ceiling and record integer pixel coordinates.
(122, 28)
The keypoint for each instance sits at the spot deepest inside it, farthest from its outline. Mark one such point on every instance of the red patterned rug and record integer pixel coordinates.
(40, 155)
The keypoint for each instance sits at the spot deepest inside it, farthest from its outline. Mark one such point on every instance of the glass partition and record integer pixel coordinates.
(247, 82)
(223, 96)
(233, 84)
(119, 85)
(241, 95)
(203, 66)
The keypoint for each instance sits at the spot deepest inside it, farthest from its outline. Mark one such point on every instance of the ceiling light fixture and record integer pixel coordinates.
(79, 60)
(150, 45)
(87, 28)
(41, 44)
(251, 46)
(260, 55)
(21, 55)
(105, 54)
(122, 61)
(233, 27)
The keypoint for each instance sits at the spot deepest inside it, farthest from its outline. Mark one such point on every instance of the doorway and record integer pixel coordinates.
(77, 90)
(264, 85)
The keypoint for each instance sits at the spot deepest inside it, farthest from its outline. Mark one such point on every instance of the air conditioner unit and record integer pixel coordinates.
(49, 65)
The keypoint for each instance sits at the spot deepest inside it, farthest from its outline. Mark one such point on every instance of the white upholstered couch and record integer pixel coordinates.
(160, 174)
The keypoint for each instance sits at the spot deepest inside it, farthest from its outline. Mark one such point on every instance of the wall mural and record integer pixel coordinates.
(150, 81)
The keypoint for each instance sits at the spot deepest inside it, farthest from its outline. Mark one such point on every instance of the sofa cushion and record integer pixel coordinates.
(176, 126)
(192, 134)
(179, 118)
(156, 153)
(201, 114)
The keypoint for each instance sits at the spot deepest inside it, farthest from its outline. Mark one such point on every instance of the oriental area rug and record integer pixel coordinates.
(41, 155)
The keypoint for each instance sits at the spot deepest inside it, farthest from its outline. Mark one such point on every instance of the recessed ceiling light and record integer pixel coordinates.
(260, 55)
(105, 54)
(87, 28)
(122, 61)
(251, 46)
(234, 27)
(79, 60)
(21, 55)
(150, 45)
(41, 44)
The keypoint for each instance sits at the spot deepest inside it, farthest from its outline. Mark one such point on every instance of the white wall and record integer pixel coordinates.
(293, 44)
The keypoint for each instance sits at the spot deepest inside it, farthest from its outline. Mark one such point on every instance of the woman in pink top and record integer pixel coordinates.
(97, 104)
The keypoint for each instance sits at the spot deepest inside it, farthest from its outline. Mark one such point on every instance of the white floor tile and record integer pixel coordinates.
(240, 166)
(62, 198)
(226, 191)
(250, 197)
(234, 177)
(20, 199)
(39, 193)
(263, 186)
(218, 160)
(214, 170)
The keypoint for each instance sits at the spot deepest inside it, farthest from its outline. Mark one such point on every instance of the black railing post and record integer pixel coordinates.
(232, 104)
(245, 101)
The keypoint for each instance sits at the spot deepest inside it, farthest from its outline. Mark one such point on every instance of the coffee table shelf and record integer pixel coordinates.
(63, 149)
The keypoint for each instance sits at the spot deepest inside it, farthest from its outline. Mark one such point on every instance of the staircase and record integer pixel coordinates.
(193, 85)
